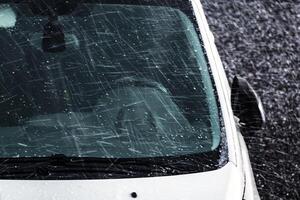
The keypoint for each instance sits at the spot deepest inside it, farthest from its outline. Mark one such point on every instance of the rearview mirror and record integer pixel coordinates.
(247, 105)
(53, 37)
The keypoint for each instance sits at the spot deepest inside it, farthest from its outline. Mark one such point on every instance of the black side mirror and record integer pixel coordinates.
(247, 105)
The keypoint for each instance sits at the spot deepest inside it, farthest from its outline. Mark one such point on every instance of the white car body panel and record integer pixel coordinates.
(226, 183)
(214, 185)
(250, 188)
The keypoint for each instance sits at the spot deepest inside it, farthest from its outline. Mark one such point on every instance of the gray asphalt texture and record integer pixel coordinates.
(260, 40)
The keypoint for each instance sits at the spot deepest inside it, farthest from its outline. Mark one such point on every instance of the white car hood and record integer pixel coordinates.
(222, 184)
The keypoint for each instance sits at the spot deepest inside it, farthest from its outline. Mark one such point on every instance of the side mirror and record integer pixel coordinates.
(247, 105)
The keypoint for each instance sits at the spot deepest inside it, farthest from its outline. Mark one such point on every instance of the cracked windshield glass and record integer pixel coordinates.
(94, 80)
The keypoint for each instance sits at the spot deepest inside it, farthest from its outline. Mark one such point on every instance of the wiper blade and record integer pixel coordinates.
(57, 165)
(56, 159)
(60, 166)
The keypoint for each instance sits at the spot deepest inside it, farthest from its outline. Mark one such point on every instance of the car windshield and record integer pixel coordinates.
(108, 81)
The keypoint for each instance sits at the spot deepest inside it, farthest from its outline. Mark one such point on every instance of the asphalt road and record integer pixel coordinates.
(260, 40)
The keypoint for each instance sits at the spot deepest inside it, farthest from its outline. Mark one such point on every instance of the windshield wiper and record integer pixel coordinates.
(60, 166)
(55, 166)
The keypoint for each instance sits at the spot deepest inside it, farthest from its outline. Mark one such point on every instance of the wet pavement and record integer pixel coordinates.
(260, 40)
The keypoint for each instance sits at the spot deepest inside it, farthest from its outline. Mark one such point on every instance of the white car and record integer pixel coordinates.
(119, 99)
